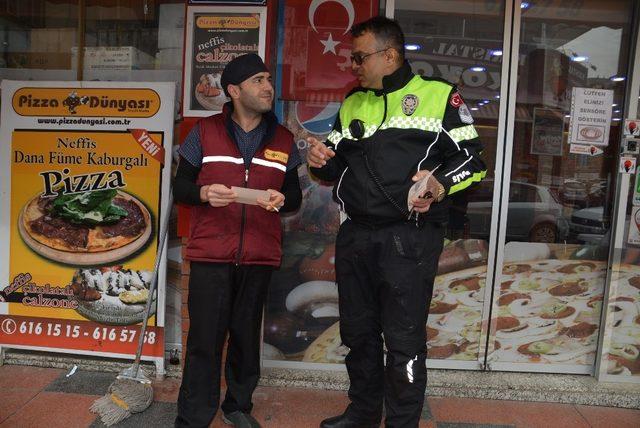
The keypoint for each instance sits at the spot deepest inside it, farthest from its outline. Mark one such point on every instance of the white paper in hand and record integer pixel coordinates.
(250, 196)
(418, 190)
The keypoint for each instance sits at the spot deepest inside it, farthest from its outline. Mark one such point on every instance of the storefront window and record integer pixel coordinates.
(37, 38)
(461, 42)
(301, 314)
(122, 41)
(620, 352)
(134, 41)
(573, 57)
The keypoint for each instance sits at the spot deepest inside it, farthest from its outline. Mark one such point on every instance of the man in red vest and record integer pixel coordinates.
(233, 248)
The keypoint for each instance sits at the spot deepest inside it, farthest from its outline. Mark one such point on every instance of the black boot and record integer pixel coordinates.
(346, 421)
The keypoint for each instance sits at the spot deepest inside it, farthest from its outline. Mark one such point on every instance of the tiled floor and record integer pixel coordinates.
(37, 397)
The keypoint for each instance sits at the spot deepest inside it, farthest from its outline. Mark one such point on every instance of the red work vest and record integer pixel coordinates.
(238, 233)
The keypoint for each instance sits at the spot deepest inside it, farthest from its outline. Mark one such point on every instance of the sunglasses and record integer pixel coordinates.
(358, 58)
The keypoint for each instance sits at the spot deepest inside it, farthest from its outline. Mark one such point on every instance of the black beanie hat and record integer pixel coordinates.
(240, 69)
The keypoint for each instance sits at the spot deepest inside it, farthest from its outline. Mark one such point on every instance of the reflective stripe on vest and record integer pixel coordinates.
(269, 164)
(240, 161)
(230, 159)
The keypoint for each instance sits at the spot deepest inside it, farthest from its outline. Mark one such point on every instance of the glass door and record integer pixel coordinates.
(567, 90)
(521, 280)
(619, 359)
(463, 42)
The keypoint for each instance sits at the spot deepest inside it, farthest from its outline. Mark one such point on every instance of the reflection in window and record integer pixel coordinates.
(134, 41)
(123, 41)
(562, 48)
(36, 39)
(461, 42)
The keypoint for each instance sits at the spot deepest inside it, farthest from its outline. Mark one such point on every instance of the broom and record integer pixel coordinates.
(131, 392)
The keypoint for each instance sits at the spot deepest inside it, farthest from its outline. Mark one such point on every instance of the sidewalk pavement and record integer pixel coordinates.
(42, 397)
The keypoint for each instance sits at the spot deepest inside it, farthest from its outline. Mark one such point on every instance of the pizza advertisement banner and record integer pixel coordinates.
(621, 342)
(302, 300)
(215, 35)
(83, 186)
(546, 308)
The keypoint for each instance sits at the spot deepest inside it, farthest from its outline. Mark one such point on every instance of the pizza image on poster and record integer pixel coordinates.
(547, 311)
(65, 227)
(622, 351)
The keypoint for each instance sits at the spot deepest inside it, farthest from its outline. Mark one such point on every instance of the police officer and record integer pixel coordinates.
(395, 130)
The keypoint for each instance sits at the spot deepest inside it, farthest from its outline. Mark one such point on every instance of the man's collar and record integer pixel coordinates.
(269, 117)
(396, 80)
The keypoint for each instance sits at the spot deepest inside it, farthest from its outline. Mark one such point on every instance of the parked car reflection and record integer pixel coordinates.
(589, 224)
(582, 194)
(534, 214)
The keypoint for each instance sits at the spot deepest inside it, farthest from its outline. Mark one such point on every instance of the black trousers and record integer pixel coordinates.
(385, 279)
(222, 298)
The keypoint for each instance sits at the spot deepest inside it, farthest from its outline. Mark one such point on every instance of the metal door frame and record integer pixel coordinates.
(504, 169)
(620, 204)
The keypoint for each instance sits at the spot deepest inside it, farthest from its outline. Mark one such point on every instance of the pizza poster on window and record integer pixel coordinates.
(83, 182)
(621, 342)
(546, 309)
(215, 35)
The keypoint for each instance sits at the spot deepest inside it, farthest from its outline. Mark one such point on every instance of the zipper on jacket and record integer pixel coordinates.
(373, 153)
(344, 209)
(242, 219)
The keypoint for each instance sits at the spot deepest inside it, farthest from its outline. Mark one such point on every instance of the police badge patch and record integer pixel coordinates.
(465, 114)
(456, 100)
(409, 104)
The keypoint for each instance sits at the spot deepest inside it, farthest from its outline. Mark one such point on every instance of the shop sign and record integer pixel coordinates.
(85, 102)
(455, 60)
(452, 59)
(216, 35)
(547, 132)
(83, 184)
(590, 116)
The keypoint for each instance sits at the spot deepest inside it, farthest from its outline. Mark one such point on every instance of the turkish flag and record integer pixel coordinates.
(316, 64)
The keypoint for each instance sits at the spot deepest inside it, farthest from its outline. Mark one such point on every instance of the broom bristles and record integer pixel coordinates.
(110, 413)
(124, 398)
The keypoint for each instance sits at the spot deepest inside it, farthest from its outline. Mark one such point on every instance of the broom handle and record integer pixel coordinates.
(154, 279)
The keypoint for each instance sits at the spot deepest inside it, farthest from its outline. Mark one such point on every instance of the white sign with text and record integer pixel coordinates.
(590, 116)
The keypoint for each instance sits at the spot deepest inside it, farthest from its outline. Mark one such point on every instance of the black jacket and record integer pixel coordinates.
(413, 123)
